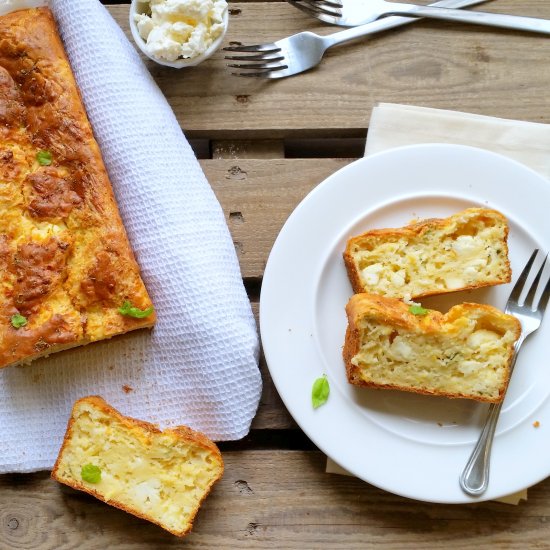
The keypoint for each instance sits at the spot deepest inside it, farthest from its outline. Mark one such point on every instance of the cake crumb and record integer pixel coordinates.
(127, 389)
(536, 424)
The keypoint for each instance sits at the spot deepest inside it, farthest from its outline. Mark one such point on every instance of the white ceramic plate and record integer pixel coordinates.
(412, 445)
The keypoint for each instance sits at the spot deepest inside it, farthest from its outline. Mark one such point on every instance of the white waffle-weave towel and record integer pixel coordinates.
(393, 125)
(199, 366)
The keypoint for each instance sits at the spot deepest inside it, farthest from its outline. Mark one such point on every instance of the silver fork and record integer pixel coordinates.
(350, 13)
(475, 477)
(304, 50)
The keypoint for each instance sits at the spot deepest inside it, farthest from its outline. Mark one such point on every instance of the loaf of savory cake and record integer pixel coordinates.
(160, 476)
(465, 251)
(465, 353)
(67, 273)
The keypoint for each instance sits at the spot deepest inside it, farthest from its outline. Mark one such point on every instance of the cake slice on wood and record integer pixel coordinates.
(160, 476)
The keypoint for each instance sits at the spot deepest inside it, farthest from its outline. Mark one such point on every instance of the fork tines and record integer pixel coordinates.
(332, 8)
(264, 48)
(258, 60)
(529, 300)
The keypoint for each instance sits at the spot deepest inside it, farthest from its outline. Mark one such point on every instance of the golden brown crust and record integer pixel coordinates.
(411, 232)
(351, 347)
(395, 313)
(64, 255)
(181, 433)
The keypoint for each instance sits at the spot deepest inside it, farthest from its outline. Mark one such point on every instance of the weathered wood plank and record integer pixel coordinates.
(272, 414)
(271, 499)
(460, 67)
(257, 197)
(283, 499)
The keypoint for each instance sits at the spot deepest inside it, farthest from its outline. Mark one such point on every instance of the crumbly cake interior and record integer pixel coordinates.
(468, 355)
(156, 474)
(468, 250)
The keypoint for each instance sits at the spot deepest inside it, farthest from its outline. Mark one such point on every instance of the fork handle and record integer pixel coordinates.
(387, 23)
(475, 476)
(530, 24)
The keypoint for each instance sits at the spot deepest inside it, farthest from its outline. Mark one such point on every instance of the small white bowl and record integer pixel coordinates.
(139, 6)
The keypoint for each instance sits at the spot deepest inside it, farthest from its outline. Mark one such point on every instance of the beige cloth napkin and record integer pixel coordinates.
(394, 125)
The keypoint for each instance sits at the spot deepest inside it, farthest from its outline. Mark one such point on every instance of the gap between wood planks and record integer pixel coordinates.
(305, 148)
(269, 440)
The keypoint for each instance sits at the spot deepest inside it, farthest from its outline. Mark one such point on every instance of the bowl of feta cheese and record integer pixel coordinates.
(178, 33)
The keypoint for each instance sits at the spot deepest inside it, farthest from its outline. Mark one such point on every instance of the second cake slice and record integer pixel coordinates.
(465, 353)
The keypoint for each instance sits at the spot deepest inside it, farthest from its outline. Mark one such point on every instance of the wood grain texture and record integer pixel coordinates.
(435, 64)
(257, 196)
(271, 499)
(284, 499)
(226, 178)
(272, 414)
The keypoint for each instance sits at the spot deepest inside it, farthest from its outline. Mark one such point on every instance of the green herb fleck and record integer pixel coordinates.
(44, 158)
(417, 310)
(320, 391)
(91, 473)
(18, 320)
(128, 309)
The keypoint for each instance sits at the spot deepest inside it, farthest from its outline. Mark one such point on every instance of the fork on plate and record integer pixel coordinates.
(350, 13)
(529, 311)
(304, 50)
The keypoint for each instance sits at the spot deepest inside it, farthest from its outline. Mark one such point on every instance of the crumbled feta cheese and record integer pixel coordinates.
(401, 350)
(144, 25)
(452, 282)
(474, 266)
(147, 493)
(482, 336)
(465, 245)
(371, 273)
(398, 278)
(469, 367)
(178, 29)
